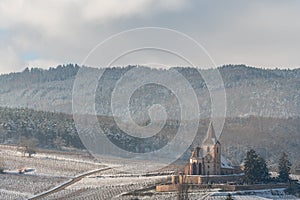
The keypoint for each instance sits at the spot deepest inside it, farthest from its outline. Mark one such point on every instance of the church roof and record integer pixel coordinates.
(195, 153)
(210, 138)
(225, 163)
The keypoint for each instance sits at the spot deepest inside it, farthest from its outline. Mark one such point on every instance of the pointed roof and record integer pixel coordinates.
(195, 153)
(210, 138)
(225, 163)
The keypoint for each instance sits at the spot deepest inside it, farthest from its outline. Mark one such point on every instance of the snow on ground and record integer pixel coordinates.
(105, 181)
(292, 176)
(7, 194)
(133, 165)
(105, 187)
(48, 170)
(54, 168)
(29, 184)
(212, 195)
(295, 177)
(268, 194)
(51, 163)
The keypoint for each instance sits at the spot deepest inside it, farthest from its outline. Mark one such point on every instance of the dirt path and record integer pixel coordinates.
(66, 184)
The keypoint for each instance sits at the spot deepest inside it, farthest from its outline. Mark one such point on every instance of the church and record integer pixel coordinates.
(207, 165)
(208, 159)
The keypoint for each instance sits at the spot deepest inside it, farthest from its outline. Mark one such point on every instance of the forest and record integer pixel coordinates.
(268, 136)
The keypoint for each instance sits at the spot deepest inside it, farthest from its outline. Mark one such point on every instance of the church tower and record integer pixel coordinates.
(195, 167)
(211, 149)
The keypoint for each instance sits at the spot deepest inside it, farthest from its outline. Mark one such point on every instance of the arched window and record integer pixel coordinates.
(199, 169)
(194, 172)
(208, 149)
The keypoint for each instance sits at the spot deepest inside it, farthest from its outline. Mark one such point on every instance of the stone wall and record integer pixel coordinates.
(199, 179)
(174, 187)
(166, 188)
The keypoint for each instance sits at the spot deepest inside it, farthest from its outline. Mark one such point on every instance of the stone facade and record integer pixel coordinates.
(206, 168)
(207, 165)
(208, 159)
(203, 179)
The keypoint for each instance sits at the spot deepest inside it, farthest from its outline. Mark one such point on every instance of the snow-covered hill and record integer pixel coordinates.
(249, 91)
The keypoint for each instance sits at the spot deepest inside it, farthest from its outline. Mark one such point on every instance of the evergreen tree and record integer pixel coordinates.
(263, 171)
(250, 166)
(256, 170)
(284, 168)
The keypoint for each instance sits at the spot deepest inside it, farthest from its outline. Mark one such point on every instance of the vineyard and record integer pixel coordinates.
(49, 170)
(61, 175)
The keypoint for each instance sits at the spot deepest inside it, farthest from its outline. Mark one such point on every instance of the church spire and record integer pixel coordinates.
(210, 138)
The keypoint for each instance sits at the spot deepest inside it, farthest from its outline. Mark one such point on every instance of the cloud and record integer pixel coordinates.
(253, 32)
(66, 29)
(114, 9)
(9, 60)
(38, 63)
(265, 34)
(55, 17)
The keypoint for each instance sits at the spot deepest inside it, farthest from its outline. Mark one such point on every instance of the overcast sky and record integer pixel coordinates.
(45, 33)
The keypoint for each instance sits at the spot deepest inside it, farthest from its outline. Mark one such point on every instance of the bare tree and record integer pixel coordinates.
(183, 188)
(1, 165)
(59, 142)
(27, 146)
(229, 197)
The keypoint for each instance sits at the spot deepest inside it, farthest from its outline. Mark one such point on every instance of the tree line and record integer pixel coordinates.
(38, 75)
(256, 170)
(49, 130)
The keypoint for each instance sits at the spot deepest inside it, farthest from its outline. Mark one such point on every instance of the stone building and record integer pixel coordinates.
(208, 159)
(206, 166)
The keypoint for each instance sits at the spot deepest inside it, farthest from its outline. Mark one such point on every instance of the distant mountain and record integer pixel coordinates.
(249, 91)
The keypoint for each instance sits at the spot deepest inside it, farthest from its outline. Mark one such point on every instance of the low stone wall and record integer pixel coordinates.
(166, 188)
(256, 187)
(199, 179)
(174, 187)
(221, 179)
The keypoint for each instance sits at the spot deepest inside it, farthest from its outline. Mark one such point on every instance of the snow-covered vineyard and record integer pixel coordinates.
(49, 170)
(108, 191)
(80, 177)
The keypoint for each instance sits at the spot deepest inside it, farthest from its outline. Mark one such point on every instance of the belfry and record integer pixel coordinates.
(207, 159)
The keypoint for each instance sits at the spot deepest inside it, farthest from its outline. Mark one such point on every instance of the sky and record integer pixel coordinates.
(46, 33)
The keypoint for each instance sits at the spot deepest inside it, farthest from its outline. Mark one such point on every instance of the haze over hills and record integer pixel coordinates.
(268, 136)
(263, 109)
(249, 91)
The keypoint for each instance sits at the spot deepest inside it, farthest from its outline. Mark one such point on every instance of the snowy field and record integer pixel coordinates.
(105, 188)
(49, 170)
(213, 195)
(52, 169)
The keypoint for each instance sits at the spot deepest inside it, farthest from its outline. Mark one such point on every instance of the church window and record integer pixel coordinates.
(194, 169)
(208, 149)
(200, 169)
